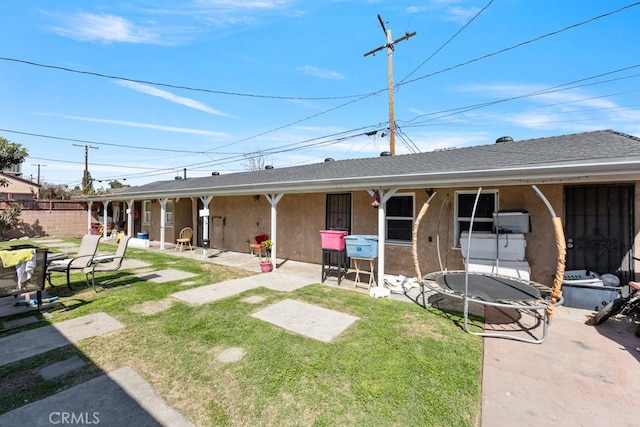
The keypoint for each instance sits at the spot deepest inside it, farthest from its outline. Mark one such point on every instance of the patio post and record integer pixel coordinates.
(89, 205)
(273, 200)
(130, 217)
(105, 204)
(163, 221)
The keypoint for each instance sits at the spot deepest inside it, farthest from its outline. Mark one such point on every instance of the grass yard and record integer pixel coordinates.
(398, 365)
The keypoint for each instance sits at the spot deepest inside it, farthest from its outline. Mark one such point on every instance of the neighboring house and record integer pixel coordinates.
(16, 188)
(589, 179)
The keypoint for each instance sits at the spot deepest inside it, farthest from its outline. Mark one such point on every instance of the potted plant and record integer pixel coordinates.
(265, 263)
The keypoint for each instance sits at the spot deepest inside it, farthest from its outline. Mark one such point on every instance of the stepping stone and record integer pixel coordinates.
(63, 245)
(62, 368)
(120, 398)
(16, 323)
(133, 264)
(163, 276)
(214, 292)
(36, 341)
(306, 319)
(232, 354)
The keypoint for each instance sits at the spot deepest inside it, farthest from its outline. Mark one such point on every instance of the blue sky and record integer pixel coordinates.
(159, 86)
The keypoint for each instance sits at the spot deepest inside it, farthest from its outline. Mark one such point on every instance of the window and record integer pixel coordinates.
(168, 213)
(400, 213)
(146, 214)
(483, 220)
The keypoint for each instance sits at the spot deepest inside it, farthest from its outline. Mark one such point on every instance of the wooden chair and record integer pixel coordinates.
(185, 238)
(258, 246)
(107, 262)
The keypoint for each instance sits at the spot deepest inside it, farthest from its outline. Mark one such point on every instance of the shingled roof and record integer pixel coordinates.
(603, 155)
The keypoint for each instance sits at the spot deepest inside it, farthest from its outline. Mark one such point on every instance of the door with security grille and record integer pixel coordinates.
(599, 229)
(338, 217)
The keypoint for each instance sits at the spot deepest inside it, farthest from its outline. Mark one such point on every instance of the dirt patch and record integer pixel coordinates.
(152, 307)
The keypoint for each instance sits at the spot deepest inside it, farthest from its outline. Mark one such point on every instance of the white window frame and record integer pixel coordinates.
(146, 212)
(457, 219)
(168, 214)
(401, 218)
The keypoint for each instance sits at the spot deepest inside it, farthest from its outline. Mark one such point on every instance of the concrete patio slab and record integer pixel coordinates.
(21, 321)
(62, 245)
(306, 319)
(120, 398)
(36, 341)
(167, 275)
(61, 368)
(214, 292)
(133, 264)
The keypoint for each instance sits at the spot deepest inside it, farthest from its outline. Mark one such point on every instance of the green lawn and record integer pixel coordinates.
(399, 365)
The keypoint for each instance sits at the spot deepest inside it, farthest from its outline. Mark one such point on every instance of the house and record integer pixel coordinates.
(588, 178)
(16, 188)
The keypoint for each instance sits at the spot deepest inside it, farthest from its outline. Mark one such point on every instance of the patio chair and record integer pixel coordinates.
(258, 246)
(107, 262)
(83, 259)
(185, 238)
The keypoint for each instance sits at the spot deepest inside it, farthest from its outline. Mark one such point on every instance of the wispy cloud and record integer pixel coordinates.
(310, 70)
(168, 24)
(187, 102)
(104, 28)
(141, 125)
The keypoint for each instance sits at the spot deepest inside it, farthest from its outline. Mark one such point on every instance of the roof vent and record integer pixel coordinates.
(328, 159)
(504, 139)
(215, 173)
(385, 154)
(269, 167)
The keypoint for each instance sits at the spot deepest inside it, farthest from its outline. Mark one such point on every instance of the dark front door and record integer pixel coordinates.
(338, 217)
(599, 229)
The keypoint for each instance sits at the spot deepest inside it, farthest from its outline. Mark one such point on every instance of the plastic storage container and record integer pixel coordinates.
(585, 289)
(333, 239)
(362, 246)
(512, 221)
(508, 247)
(144, 236)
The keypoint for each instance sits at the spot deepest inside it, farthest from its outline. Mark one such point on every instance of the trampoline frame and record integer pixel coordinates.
(549, 297)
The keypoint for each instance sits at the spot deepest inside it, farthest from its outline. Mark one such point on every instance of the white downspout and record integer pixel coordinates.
(382, 230)
(205, 223)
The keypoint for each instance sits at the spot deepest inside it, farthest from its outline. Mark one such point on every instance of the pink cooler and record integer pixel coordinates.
(333, 239)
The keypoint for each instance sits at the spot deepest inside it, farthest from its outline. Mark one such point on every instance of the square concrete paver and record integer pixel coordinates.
(36, 341)
(120, 398)
(163, 276)
(306, 319)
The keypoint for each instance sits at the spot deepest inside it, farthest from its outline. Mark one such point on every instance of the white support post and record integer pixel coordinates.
(205, 224)
(130, 218)
(163, 220)
(273, 200)
(382, 230)
(105, 204)
(89, 218)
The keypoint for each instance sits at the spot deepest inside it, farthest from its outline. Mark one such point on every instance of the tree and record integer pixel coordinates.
(8, 219)
(11, 153)
(54, 192)
(254, 161)
(117, 184)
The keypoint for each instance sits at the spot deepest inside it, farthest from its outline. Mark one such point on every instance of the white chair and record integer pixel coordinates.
(83, 259)
(104, 263)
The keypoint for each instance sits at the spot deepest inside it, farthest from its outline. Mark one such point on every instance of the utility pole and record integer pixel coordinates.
(85, 177)
(389, 45)
(38, 164)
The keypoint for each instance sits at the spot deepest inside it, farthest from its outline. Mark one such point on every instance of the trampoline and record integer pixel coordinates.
(500, 291)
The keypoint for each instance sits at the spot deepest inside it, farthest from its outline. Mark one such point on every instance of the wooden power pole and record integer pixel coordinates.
(389, 45)
(85, 177)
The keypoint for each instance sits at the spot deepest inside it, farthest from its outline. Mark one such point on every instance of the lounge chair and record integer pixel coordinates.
(83, 259)
(107, 262)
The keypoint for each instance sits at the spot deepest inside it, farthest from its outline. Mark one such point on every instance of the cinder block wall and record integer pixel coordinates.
(55, 223)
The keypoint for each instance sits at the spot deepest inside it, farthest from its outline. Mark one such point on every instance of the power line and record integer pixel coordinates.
(447, 42)
(535, 39)
(174, 86)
